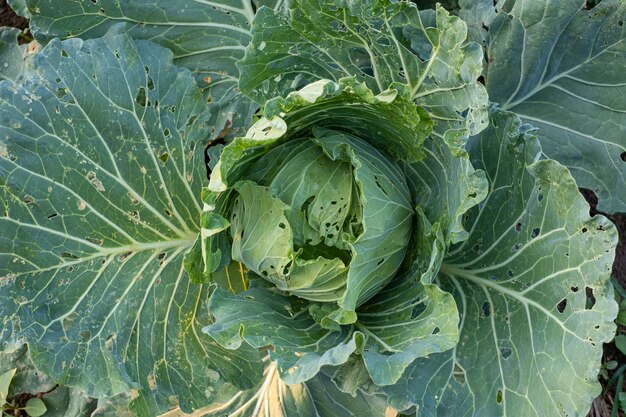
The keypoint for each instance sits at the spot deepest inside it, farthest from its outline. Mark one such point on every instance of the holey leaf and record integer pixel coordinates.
(560, 67)
(380, 42)
(532, 287)
(101, 167)
(207, 37)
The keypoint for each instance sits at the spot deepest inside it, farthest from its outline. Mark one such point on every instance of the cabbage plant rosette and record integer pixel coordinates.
(320, 203)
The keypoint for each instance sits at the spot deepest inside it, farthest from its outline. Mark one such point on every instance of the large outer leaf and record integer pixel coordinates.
(379, 42)
(207, 37)
(529, 343)
(561, 68)
(101, 167)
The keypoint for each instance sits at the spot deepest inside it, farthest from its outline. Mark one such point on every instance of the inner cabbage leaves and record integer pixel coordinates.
(316, 215)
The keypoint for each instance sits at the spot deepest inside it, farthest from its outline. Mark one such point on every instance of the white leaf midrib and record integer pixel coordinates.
(103, 252)
(468, 275)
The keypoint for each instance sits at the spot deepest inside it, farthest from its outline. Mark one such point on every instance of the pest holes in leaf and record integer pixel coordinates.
(124, 256)
(458, 374)
(436, 330)
(574, 289)
(499, 397)
(86, 335)
(133, 199)
(52, 216)
(108, 342)
(94, 240)
(476, 248)
(379, 262)
(134, 216)
(28, 199)
(516, 247)
(509, 273)
(164, 157)
(360, 59)
(191, 120)
(486, 308)
(620, 23)
(591, 299)
(91, 176)
(68, 320)
(562, 305)
(540, 197)
(248, 297)
(518, 226)
(68, 255)
(417, 310)
(535, 232)
(282, 225)
(61, 92)
(141, 97)
(64, 53)
(166, 132)
(505, 352)
(584, 230)
(167, 212)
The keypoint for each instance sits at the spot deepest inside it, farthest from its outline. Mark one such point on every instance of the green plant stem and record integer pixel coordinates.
(616, 375)
(616, 401)
(621, 290)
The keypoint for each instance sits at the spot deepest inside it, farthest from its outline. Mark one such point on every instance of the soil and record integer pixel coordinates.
(603, 404)
(9, 18)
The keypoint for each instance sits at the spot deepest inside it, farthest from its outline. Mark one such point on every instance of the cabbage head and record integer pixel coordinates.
(323, 203)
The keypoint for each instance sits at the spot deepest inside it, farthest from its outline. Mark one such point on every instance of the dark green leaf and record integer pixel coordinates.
(207, 37)
(560, 67)
(378, 41)
(95, 227)
(529, 343)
